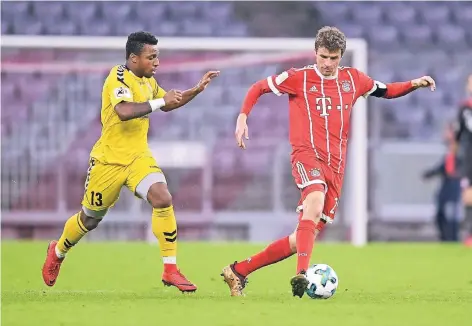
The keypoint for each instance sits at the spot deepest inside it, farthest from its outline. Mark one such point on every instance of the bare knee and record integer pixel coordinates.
(159, 196)
(313, 206)
(89, 222)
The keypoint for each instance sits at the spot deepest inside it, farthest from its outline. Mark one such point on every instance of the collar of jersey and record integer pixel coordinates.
(324, 77)
(132, 73)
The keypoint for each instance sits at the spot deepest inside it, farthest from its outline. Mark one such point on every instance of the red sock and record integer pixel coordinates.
(170, 268)
(305, 242)
(275, 252)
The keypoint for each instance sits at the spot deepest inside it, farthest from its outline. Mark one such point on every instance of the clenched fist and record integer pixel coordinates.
(173, 97)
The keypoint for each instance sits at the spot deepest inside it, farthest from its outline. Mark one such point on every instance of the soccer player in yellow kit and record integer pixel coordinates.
(121, 157)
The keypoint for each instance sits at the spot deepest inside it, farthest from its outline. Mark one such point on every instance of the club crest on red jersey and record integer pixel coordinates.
(346, 85)
(315, 172)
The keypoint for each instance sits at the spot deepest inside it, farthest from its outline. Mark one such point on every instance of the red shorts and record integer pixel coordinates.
(310, 175)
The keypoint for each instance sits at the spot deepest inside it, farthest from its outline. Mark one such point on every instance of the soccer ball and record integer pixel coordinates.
(323, 281)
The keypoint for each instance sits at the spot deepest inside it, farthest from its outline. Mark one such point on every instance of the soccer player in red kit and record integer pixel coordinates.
(321, 97)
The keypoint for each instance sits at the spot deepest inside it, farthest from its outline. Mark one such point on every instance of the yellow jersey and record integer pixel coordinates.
(121, 142)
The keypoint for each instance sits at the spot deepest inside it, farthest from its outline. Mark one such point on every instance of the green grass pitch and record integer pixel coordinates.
(119, 284)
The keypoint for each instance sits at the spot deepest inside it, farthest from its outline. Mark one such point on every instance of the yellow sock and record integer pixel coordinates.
(164, 227)
(74, 230)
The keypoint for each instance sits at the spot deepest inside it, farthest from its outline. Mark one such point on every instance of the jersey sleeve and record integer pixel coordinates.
(118, 87)
(158, 91)
(365, 85)
(284, 83)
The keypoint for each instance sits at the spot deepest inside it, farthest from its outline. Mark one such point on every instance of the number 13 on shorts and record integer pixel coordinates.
(103, 185)
(96, 198)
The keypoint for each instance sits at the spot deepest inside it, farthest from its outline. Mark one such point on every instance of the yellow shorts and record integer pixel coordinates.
(104, 181)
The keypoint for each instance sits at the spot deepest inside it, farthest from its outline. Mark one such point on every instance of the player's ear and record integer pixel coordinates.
(133, 57)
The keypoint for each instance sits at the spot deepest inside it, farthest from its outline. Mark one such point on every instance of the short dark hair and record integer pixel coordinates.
(330, 38)
(137, 40)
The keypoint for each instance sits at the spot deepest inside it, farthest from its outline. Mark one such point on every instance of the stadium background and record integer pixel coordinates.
(51, 115)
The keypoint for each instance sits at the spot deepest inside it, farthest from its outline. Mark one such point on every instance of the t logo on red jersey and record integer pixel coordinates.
(323, 104)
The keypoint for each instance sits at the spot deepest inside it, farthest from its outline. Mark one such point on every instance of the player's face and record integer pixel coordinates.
(148, 60)
(327, 62)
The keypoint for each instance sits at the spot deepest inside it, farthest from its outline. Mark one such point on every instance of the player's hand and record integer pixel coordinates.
(206, 79)
(173, 97)
(425, 81)
(241, 130)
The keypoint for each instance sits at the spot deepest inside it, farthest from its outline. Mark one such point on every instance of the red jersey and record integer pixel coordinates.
(320, 109)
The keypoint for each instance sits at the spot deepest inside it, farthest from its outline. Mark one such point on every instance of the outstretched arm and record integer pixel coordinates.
(132, 110)
(399, 89)
(172, 100)
(252, 96)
